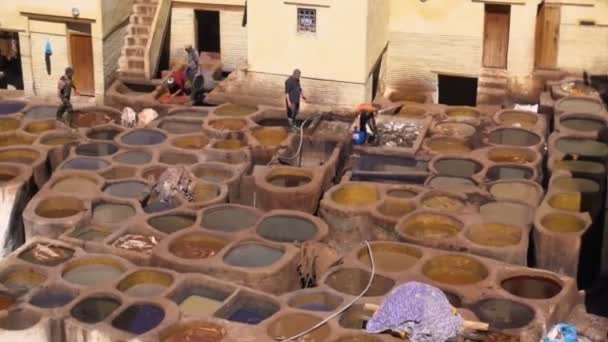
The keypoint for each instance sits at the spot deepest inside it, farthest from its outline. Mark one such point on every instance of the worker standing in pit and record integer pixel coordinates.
(367, 122)
(64, 92)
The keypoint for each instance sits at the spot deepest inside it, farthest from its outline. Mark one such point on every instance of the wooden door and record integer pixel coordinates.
(547, 36)
(81, 53)
(496, 36)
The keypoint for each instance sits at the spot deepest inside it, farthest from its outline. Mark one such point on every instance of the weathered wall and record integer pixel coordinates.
(115, 17)
(40, 31)
(378, 14)
(233, 39)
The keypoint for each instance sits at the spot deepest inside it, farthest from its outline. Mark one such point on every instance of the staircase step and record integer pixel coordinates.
(135, 51)
(494, 73)
(139, 19)
(134, 74)
(134, 62)
(144, 9)
(138, 30)
(148, 2)
(132, 40)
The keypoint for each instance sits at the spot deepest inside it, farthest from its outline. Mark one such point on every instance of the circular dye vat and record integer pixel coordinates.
(128, 189)
(54, 140)
(52, 298)
(462, 112)
(455, 129)
(181, 126)
(390, 257)
(583, 124)
(566, 201)
(431, 227)
(96, 149)
(213, 173)
(77, 185)
(170, 224)
(157, 207)
(41, 112)
(234, 110)
(401, 193)
(103, 134)
(133, 158)
(191, 142)
(506, 172)
(494, 235)
(455, 270)
(443, 202)
(8, 173)
(46, 254)
(19, 319)
(503, 313)
(6, 302)
(229, 144)
(288, 180)
(287, 229)
(315, 301)
(197, 246)
(270, 137)
(583, 185)
(252, 255)
(352, 281)
(138, 319)
(396, 208)
(119, 172)
(353, 195)
(511, 155)
(93, 272)
(91, 117)
(532, 287)
(228, 219)
(9, 124)
(562, 223)
(142, 137)
(95, 309)
(228, 124)
(91, 233)
(578, 105)
(205, 192)
(19, 156)
(454, 184)
(153, 173)
(296, 323)
(512, 214)
(59, 207)
(10, 107)
(457, 167)
(196, 332)
(12, 139)
(579, 166)
(448, 145)
(514, 191)
(145, 284)
(518, 119)
(514, 137)
(176, 158)
(581, 147)
(38, 127)
(355, 317)
(89, 164)
(25, 279)
(112, 212)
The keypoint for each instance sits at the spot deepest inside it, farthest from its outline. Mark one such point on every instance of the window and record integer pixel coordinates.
(307, 20)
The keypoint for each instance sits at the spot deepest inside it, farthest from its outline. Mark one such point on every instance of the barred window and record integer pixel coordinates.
(307, 20)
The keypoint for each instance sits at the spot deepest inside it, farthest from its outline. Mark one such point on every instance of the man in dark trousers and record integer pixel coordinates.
(293, 93)
(64, 91)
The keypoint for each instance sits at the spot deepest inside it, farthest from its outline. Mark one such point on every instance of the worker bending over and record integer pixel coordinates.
(367, 121)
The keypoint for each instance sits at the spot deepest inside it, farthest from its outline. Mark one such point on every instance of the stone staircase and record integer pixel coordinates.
(493, 87)
(131, 63)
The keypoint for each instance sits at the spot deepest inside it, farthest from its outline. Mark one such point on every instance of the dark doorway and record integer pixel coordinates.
(165, 53)
(208, 31)
(10, 60)
(457, 90)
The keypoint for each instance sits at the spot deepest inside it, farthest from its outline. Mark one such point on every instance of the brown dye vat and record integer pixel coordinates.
(8, 173)
(401, 193)
(46, 254)
(511, 155)
(514, 191)
(583, 124)
(170, 224)
(581, 147)
(270, 137)
(352, 281)
(230, 144)
(153, 174)
(455, 270)
(176, 158)
(462, 112)
(431, 227)
(566, 201)
(355, 317)
(443, 202)
(138, 243)
(579, 166)
(358, 338)
(315, 301)
(145, 283)
(80, 185)
(494, 235)
(22, 279)
(212, 173)
(9, 124)
(107, 212)
(96, 271)
(562, 223)
(38, 127)
(390, 257)
(197, 246)
(503, 313)
(91, 119)
(514, 137)
(228, 124)
(353, 195)
(6, 302)
(457, 167)
(455, 129)
(54, 140)
(288, 178)
(234, 110)
(204, 192)
(518, 119)
(15, 139)
(91, 233)
(532, 287)
(181, 126)
(448, 145)
(195, 332)
(411, 112)
(19, 156)
(59, 207)
(396, 208)
(191, 142)
(19, 319)
(409, 97)
(133, 158)
(293, 324)
(119, 172)
(576, 185)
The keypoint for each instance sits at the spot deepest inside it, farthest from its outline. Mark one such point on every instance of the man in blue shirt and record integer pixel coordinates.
(293, 93)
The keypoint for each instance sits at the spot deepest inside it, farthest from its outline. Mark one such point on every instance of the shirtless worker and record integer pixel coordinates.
(64, 92)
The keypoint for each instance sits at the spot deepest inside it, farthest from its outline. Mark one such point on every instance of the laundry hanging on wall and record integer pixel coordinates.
(48, 52)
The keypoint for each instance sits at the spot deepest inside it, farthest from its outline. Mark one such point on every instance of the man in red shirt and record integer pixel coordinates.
(177, 83)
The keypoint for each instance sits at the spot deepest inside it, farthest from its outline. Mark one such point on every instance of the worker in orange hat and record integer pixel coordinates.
(367, 120)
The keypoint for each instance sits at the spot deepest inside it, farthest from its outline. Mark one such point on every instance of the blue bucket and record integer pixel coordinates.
(359, 137)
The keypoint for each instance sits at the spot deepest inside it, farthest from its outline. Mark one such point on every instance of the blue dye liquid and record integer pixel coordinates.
(51, 299)
(316, 307)
(247, 316)
(139, 319)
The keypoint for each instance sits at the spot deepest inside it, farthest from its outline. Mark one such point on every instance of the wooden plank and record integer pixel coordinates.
(57, 18)
(81, 53)
(496, 36)
(548, 23)
(206, 7)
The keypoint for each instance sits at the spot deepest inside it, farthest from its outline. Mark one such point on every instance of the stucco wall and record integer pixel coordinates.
(378, 14)
(115, 18)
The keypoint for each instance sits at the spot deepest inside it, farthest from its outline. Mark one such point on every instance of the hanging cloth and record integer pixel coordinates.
(48, 50)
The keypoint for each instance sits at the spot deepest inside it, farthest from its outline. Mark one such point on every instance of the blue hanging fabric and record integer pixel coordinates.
(47, 48)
